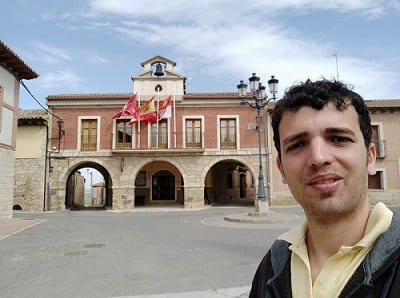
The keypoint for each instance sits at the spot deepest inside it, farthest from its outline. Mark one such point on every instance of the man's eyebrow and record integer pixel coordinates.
(340, 130)
(294, 137)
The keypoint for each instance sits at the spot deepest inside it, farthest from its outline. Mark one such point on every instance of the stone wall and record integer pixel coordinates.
(192, 168)
(29, 184)
(6, 182)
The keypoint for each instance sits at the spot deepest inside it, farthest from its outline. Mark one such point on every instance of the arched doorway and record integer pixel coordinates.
(163, 186)
(89, 185)
(229, 182)
(159, 183)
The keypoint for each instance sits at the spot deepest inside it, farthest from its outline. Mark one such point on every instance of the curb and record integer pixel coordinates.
(269, 217)
(15, 225)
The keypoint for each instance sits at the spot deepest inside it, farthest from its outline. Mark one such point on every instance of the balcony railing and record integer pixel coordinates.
(176, 141)
(88, 143)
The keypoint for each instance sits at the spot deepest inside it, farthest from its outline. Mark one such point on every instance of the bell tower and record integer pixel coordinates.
(158, 77)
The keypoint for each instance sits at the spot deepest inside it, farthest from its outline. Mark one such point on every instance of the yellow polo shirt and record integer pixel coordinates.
(338, 269)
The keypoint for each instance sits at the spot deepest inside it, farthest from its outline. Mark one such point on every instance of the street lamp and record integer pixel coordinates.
(60, 123)
(260, 101)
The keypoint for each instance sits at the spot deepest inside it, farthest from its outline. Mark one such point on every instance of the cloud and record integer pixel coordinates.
(51, 55)
(169, 10)
(236, 38)
(60, 79)
(97, 59)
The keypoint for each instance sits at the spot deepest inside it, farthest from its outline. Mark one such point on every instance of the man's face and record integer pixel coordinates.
(324, 160)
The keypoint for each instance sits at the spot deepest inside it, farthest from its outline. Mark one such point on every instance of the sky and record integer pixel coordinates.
(96, 46)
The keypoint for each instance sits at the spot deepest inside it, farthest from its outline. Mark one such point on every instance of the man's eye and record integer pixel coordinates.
(339, 139)
(295, 146)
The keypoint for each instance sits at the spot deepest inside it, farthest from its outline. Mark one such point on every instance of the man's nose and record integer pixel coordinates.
(319, 153)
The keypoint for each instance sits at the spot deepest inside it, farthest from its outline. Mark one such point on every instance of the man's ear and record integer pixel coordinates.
(371, 159)
(279, 165)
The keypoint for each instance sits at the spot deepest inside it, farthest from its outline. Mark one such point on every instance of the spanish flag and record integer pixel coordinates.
(146, 112)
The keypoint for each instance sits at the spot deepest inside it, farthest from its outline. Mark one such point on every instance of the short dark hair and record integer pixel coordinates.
(316, 95)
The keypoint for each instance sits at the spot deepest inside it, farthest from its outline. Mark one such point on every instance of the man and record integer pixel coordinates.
(322, 133)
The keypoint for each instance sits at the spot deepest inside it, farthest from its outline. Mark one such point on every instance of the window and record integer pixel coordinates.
(89, 135)
(159, 134)
(123, 134)
(377, 140)
(193, 133)
(228, 133)
(141, 178)
(376, 181)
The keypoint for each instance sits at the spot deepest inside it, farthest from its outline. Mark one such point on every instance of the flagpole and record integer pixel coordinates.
(158, 103)
(173, 99)
(138, 120)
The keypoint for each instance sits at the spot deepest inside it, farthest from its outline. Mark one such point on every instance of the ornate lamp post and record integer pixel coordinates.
(260, 100)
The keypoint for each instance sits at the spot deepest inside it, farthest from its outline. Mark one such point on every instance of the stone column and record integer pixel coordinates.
(123, 198)
(194, 197)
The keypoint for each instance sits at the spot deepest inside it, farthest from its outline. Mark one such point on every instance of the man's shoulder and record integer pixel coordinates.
(387, 246)
(279, 254)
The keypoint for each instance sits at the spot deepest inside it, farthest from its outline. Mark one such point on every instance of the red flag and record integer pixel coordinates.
(164, 108)
(146, 112)
(129, 108)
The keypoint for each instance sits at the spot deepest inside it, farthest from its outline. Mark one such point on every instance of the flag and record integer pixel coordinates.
(164, 109)
(129, 108)
(146, 112)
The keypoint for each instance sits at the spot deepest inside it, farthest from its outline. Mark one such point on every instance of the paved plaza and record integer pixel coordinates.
(149, 252)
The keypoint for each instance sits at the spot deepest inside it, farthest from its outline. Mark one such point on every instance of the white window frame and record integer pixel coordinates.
(114, 129)
(80, 118)
(194, 117)
(236, 117)
(383, 178)
(382, 152)
(168, 135)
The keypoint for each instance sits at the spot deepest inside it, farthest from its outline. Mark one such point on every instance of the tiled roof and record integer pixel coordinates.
(32, 114)
(90, 96)
(383, 103)
(214, 94)
(15, 64)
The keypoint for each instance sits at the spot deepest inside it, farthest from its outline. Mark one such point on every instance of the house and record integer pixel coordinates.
(205, 152)
(12, 70)
(31, 168)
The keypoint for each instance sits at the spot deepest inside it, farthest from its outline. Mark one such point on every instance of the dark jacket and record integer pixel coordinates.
(377, 276)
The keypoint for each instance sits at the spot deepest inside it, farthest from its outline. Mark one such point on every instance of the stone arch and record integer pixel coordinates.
(73, 185)
(224, 182)
(145, 162)
(144, 179)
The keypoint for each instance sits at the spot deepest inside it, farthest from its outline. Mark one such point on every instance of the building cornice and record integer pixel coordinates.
(14, 64)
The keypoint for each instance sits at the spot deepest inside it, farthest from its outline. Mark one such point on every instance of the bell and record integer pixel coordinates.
(159, 72)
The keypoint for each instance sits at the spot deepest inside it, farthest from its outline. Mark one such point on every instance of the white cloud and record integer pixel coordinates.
(52, 55)
(168, 10)
(60, 79)
(241, 37)
(97, 59)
